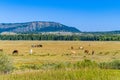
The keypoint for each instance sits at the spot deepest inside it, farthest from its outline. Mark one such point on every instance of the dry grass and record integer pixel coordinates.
(61, 52)
(53, 51)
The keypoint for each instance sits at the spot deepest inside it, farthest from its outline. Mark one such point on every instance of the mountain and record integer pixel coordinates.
(35, 27)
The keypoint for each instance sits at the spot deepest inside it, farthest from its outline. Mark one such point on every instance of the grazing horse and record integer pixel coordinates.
(33, 46)
(93, 52)
(86, 51)
(39, 45)
(31, 51)
(1, 50)
(73, 52)
(81, 48)
(71, 47)
(15, 52)
(36, 45)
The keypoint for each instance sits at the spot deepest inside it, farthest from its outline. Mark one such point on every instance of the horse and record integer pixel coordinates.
(71, 47)
(1, 50)
(81, 48)
(86, 51)
(93, 52)
(15, 52)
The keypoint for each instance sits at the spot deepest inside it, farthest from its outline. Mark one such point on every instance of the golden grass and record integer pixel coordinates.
(60, 51)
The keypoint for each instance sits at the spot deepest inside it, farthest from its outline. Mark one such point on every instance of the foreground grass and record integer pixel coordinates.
(55, 60)
(81, 74)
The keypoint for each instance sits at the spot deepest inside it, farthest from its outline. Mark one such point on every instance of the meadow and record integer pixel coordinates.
(55, 60)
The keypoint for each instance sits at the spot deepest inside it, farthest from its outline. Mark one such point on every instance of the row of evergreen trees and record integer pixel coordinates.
(61, 37)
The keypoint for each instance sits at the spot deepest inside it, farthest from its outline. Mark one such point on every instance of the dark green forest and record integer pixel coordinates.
(82, 37)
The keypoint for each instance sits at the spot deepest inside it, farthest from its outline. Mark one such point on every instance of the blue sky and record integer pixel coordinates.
(86, 15)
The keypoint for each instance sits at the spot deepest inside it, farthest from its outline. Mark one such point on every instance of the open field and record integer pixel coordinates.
(60, 52)
(66, 75)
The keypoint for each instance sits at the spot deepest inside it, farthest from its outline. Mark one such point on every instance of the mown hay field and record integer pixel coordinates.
(55, 52)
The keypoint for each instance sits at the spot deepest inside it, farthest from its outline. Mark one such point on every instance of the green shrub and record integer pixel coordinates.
(88, 64)
(5, 64)
(61, 65)
(110, 65)
(30, 66)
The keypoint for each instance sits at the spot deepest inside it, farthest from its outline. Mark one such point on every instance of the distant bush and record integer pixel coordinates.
(30, 66)
(73, 65)
(110, 65)
(61, 65)
(87, 64)
(5, 64)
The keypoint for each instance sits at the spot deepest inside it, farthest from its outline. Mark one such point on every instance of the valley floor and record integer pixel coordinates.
(63, 60)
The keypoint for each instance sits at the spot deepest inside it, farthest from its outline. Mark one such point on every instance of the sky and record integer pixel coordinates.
(86, 15)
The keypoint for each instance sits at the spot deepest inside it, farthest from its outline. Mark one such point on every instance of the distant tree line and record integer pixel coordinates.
(84, 37)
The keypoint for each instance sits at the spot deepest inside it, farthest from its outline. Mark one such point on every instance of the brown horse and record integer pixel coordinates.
(71, 47)
(1, 50)
(86, 51)
(39, 45)
(15, 52)
(93, 52)
(36, 45)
